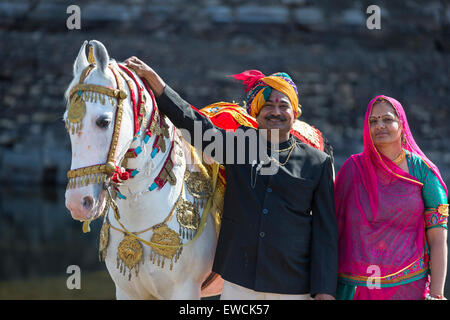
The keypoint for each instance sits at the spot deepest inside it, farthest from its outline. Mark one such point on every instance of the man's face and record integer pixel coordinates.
(277, 113)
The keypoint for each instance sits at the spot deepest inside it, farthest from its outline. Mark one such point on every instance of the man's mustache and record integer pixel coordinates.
(281, 118)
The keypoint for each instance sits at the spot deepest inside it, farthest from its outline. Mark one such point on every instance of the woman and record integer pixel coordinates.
(392, 208)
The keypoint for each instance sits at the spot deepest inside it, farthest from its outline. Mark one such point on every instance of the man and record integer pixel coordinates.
(278, 237)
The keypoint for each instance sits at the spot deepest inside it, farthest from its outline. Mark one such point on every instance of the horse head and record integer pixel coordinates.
(99, 118)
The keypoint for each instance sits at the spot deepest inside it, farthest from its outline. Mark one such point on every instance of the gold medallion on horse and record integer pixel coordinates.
(167, 245)
(129, 255)
(198, 184)
(188, 217)
(76, 112)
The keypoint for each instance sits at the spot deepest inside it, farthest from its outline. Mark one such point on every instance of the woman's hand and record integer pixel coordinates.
(146, 72)
(437, 240)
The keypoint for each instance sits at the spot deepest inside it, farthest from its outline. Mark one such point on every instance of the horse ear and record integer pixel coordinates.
(100, 54)
(81, 61)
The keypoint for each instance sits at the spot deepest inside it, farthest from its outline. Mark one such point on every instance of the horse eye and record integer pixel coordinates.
(103, 122)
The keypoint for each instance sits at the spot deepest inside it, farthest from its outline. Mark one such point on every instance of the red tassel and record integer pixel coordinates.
(120, 176)
(124, 176)
(249, 78)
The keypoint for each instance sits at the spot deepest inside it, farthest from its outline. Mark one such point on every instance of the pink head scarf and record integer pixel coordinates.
(380, 210)
(371, 157)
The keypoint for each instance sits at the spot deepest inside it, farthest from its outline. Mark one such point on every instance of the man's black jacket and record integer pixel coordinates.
(278, 231)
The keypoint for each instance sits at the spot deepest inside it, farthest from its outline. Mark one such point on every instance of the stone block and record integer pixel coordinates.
(309, 16)
(447, 15)
(293, 2)
(159, 11)
(22, 167)
(44, 117)
(262, 15)
(13, 9)
(99, 11)
(353, 17)
(220, 14)
(49, 11)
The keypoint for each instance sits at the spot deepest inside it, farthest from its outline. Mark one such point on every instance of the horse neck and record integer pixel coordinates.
(148, 163)
(139, 206)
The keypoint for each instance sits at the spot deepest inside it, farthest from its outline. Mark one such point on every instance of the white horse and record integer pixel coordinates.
(148, 208)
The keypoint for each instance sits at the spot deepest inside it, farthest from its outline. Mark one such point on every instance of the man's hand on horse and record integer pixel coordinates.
(139, 66)
(146, 72)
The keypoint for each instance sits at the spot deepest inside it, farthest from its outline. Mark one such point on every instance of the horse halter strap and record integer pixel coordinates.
(78, 96)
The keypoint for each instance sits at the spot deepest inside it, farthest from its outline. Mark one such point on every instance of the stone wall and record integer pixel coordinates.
(336, 61)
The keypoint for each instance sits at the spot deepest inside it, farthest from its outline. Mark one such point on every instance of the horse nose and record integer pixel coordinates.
(81, 204)
(88, 203)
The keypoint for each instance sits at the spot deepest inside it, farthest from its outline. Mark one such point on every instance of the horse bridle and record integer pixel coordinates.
(78, 96)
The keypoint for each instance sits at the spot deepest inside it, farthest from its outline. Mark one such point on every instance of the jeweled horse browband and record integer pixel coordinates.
(82, 93)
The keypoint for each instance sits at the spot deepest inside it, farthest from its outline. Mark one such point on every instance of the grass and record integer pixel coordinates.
(94, 286)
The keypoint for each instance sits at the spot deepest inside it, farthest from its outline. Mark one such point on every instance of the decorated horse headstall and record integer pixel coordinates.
(82, 93)
(115, 171)
(78, 96)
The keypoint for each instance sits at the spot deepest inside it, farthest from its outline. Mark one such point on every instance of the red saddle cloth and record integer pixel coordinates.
(230, 116)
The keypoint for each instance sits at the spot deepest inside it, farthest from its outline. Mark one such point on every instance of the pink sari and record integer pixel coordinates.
(380, 212)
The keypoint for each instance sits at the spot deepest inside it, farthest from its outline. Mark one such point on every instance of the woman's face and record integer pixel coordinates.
(385, 127)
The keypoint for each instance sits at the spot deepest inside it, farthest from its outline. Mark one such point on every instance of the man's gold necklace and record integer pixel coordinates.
(254, 176)
(291, 148)
(286, 149)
